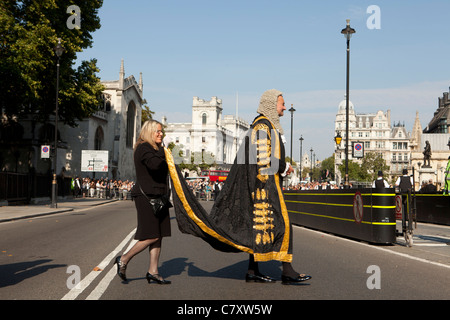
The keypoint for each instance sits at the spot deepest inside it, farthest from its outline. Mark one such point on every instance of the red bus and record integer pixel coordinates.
(215, 175)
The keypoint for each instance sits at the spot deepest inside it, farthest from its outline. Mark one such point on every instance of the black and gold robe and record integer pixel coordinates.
(249, 214)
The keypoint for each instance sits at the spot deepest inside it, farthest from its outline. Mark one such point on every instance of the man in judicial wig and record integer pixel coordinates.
(249, 214)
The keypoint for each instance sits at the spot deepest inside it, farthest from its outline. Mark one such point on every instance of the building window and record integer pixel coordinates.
(131, 114)
(204, 116)
(98, 139)
(394, 157)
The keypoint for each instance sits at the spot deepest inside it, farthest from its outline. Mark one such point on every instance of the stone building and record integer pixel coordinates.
(437, 133)
(114, 128)
(209, 133)
(375, 132)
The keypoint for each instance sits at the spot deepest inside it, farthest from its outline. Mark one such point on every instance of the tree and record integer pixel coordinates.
(327, 168)
(29, 30)
(355, 172)
(372, 163)
(147, 114)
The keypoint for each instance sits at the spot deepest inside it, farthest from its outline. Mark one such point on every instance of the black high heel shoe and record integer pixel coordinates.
(121, 268)
(157, 278)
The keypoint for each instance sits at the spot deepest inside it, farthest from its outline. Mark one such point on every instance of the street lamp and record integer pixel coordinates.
(301, 142)
(59, 49)
(292, 110)
(338, 139)
(311, 163)
(347, 32)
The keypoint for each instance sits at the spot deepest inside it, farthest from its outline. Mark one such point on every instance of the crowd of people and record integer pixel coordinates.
(314, 185)
(102, 188)
(205, 189)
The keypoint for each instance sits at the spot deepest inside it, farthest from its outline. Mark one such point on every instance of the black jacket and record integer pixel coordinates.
(151, 170)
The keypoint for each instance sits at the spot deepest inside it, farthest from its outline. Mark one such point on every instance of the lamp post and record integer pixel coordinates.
(347, 32)
(292, 110)
(301, 142)
(311, 174)
(59, 49)
(314, 161)
(338, 140)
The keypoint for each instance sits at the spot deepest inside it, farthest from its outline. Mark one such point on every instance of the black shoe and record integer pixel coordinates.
(157, 278)
(258, 277)
(121, 268)
(291, 280)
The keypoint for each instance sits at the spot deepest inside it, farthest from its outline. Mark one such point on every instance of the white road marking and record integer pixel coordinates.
(380, 248)
(78, 289)
(103, 285)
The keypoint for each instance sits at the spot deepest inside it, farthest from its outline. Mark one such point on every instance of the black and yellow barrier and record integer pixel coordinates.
(433, 208)
(363, 214)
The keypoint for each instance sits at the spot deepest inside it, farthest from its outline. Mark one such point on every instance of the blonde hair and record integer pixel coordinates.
(147, 133)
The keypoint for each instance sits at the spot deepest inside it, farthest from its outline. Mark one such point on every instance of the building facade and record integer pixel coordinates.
(209, 133)
(437, 133)
(114, 128)
(440, 123)
(375, 132)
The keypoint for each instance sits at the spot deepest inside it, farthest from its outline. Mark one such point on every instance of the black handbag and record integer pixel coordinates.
(159, 203)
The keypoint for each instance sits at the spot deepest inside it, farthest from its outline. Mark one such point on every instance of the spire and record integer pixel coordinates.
(121, 75)
(416, 135)
(141, 84)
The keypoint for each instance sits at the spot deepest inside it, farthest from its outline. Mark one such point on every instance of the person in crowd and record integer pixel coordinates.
(380, 182)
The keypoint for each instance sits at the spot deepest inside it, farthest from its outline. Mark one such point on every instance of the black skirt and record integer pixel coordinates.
(148, 225)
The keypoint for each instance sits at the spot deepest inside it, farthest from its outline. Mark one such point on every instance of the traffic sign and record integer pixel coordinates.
(358, 149)
(398, 207)
(94, 160)
(45, 152)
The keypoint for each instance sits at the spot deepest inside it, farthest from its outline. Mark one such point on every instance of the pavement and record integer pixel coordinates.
(18, 212)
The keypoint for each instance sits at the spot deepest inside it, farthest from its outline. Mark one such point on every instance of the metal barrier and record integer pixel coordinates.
(433, 208)
(364, 214)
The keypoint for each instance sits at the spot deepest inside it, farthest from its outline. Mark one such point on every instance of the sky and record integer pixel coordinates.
(237, 49)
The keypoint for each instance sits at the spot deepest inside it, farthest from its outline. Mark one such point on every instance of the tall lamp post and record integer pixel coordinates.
(301, 142)
(347, 32)
(59, 49)
(292, 110)
(311, 160)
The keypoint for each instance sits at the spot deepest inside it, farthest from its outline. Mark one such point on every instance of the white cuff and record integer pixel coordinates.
(288, 165)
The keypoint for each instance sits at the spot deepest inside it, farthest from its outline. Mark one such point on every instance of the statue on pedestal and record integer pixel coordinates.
(427, 155)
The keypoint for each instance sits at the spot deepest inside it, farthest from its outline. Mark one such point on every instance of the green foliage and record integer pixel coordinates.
(29, 30)
(147, 114)
(367, 171)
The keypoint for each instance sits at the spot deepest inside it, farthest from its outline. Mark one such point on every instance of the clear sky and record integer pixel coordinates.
(241, 48)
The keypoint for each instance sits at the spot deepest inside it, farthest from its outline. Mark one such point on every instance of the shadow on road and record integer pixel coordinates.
(11, 274)
(235, 271)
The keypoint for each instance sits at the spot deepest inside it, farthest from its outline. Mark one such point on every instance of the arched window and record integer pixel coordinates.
(204, 117)
(131, 114)
(99, 138)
